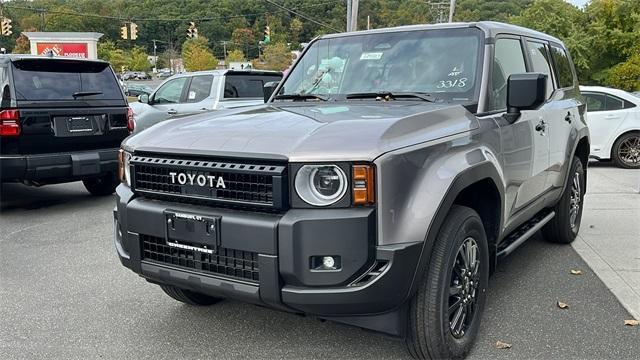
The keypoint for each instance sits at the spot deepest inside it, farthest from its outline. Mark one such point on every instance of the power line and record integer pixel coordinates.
(303, 16)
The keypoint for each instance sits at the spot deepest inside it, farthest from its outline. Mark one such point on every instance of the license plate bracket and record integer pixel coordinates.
(192, 232)
(77, 124)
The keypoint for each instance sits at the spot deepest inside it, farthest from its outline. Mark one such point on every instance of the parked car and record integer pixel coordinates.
(141, 75)
(61, 120)
(163, 74)
(378, 186)
(614, 121)
(138, 89)
(128, 75)
(637, 93)
(192, 93)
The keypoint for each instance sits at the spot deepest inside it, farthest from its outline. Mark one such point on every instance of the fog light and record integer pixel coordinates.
(325, 263)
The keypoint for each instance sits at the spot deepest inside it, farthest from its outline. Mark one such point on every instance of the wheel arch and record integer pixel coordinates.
(613, 143)
(480, 188)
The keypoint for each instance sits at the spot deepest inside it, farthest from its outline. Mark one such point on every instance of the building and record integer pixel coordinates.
(70, 44)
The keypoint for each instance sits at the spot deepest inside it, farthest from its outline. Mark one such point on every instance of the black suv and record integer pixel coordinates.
(61, 120)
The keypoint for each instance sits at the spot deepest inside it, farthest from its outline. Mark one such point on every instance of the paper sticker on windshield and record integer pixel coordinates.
(192, 95)
(371, 55)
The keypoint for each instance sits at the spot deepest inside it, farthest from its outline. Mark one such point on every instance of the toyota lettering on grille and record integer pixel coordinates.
(197, 179)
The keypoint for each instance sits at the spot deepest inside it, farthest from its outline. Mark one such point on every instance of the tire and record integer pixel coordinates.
(563, 228)
(189, 297)
(430, 334)
(626, 151)
(101, 186)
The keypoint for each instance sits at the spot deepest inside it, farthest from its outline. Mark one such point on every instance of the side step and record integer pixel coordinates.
(524, 232)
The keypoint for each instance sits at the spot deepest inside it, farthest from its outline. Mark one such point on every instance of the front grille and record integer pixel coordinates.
(227, 262)
(254, 185)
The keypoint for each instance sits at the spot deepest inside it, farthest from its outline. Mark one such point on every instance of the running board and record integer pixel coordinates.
(524, 232)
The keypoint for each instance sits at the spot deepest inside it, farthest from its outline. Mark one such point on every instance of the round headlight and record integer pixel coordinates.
(321, 185)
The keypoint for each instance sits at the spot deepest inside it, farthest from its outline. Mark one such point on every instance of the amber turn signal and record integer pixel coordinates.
(121, 165)
(363, 185)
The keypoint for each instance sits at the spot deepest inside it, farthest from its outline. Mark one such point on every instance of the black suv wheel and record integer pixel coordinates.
(563, 228)
(101, 186)
(189, 297)
(444, 315)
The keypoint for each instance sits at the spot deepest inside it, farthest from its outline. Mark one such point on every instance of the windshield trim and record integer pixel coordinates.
(479, 76)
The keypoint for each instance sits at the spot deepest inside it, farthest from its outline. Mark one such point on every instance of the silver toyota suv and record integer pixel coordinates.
(378, 186)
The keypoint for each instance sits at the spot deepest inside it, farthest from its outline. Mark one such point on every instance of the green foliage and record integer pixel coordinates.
(235, 56)
(626, 75)
(276, 56)
(138, 60)
(196, 55)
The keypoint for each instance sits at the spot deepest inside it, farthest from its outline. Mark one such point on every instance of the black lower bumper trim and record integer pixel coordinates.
(208, 285)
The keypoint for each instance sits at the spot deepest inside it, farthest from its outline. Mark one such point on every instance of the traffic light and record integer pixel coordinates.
(134, 31)
(6, 26)
(192, 30)
(267, 34)
(124, 32)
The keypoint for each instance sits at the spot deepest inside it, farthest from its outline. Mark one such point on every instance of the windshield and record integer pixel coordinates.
(439, 62)
(45, 79)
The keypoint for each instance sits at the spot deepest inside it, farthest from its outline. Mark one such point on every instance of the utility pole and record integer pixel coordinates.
(452, 10)
(354, 15)
(349, 15)
(155, 57)
(224, 47)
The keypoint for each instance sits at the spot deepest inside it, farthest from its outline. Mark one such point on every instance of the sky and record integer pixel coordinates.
(579, 3)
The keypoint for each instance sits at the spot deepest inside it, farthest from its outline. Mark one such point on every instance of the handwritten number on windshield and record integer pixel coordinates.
(448, 84)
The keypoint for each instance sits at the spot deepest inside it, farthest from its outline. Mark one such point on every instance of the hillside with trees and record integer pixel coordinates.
(604, 36)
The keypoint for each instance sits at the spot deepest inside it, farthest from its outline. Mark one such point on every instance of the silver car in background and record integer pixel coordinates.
(197, 92)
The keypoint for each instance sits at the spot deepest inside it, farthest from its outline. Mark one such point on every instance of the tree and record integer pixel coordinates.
(23, 46)
(197, 56)
(276, 57)
(295, 29)
(138, 60)
(242, 38)
(626, 75)
(236, 56)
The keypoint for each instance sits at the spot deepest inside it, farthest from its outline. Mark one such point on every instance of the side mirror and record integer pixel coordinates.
(143, 98)
(525, 92)
(269, 88)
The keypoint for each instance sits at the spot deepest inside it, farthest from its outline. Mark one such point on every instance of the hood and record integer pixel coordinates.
(307, 132)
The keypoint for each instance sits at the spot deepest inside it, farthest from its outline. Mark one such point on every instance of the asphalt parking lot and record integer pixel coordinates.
(64, 294)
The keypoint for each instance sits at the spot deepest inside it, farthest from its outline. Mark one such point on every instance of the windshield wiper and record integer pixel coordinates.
(391, 95)
(85, 93)
(301, 97)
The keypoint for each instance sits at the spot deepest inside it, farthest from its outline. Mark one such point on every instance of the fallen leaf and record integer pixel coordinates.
(632, 322)
(576, 272)
(562, 305)
(502, 345)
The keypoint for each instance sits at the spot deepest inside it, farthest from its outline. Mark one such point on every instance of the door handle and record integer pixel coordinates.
(172, 112)
(568, 118)
(203, 109)
(541, 126)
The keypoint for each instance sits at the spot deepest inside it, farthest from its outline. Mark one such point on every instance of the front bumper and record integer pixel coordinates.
(373, 279)
(58, 167)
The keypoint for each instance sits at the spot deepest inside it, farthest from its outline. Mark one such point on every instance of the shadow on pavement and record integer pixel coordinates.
(14, 196)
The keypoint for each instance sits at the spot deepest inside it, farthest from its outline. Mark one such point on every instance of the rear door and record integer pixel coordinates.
(197, 97)
(67, 105)
(606, 113)
(245, 88)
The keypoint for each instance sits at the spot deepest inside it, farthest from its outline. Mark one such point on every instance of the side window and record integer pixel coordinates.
(170, 92)
(200, 88)
(614, 103)
(563, 67)
(508, 60)
(595, 102)
(540, 62)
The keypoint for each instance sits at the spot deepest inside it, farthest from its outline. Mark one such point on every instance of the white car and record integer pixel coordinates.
(613, 117)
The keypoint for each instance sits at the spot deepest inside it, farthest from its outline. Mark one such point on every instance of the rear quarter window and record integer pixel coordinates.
(563, 67)
(51, 80)
(246, 86)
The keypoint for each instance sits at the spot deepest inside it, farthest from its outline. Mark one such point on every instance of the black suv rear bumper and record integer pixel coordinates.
(48, 168)
(373, 279)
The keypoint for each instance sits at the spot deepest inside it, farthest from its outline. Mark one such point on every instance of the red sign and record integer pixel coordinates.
(76, 50)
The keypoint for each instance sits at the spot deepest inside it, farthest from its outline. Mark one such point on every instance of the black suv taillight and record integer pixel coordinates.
(131, 124)
(9, 122)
